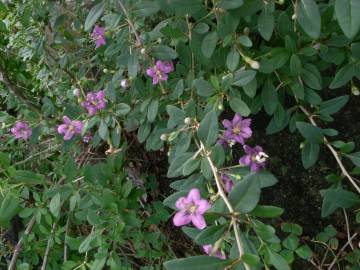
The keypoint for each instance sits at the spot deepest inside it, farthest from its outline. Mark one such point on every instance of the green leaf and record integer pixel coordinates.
(232, 60)
(245, 41)
(266, 179)
(133, 65)
(210, 235)
(291, 242)
(304, 252)
(246, 194)
(146, 8)
(269, 97)
(342, 76)
(171, 200)
(243, 77)
(265, 24)
(312, 77)
(265, 211)
(164, 52)
(209, 129)
(292, 228)
(277, 260)
(176, 165)
(295, 65)
(230, 4)
(347, 14)
(54, 205)
(250, 259)
(8, 209)
(208, 44)
(355, 158)
(177, 116)
(310, 132)
(308, 16)
(203, 88)
(190, 166)
(337, 198)
(152, 110)
(122, 109)
(28, 177)
(197, 263)
(310, 154)
(116, 136)
(94, 14)
(239, 106)
(103, 130)
(333, 105)
(86, 244)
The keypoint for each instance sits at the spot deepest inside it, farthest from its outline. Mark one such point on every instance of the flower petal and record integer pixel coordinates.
(194, 195)
(198, 221)
(62, 128)
(227, 124)
(237, 119)
(181, 218)
(245, 160)
(202, 206)
(181, 203)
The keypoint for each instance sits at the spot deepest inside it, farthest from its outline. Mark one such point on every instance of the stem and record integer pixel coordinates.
(341, 250)
(47, 251)
(333, 151)
(137, 37)
(12, 265)
(228, 204)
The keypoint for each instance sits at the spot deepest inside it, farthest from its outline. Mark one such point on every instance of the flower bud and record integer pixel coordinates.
(316, 46)
(76, 92)
(281, 2)
(105, 70)
(355, 90)
(302, 145)
(164, 137)
(159, 40)
(220, 107)
(143, 51)
(187, 121)
(254, 64)
(124, 83)
(294, 17)
(246, 31)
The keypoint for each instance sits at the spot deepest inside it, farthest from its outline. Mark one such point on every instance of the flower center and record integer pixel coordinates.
(191, 208)
(158, 73)
(236, 130)
(259, 157)
(71, 127)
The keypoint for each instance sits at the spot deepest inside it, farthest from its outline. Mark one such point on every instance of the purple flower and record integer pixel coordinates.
(70, 128)
(94, 101)
(191, 209)
(98, 36)
(209, 251)
(87, 138)
(159, 71)
(238, 129)
(228, 183)
(255, 158)
(21, 130)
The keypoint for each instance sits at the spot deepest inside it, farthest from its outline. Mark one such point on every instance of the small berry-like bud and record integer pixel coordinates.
(281, 2)
(143, 51)
(220, 107)
(302, 145)
(124, 83)
(187, 121)
(105, 70)
(76, 92)
(164, 137)
(294, 17)
(255, 64)
(159, 40)
(355, 90)
(246, 31)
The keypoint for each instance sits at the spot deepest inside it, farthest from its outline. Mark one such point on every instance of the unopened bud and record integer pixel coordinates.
(302, 145)
(220, 107)
(76, 92)
(164, 137)
(254, 64)
(143, 51)
(105, 70)
(124, 83)
(281, 2)
(246, 31)
(355, 90)
(159, 40)
(187, 121)
(294, 17)
(316, 46)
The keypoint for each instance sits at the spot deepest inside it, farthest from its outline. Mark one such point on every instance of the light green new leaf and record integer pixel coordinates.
(308, 16)
(347, 14)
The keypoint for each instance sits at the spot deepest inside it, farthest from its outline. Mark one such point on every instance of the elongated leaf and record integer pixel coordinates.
(310, 154)
(333, 105)
(347, 14)
(243, 77)
(210, 235)
(197, 263)
(8, 209)
(146, 8)
(209, 129)
(230, 4)
(355, 158)
(239, 106)
(203, 88)
(277, 260)
(308, 16)
(94, 14)
(342, 76)
(266, 24)
(209, 44)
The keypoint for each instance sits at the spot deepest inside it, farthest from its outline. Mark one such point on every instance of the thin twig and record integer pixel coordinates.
(131, 24)
(228, 204)
(341, 250)
(48, 246)
(65, 240)
(333, 151)
(18, 246)
(347, 228)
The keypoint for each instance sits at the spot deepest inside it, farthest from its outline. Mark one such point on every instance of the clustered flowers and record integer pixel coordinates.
(160, 71)
(70, 128)
(98, 36)
(94, 101)
(237, 131)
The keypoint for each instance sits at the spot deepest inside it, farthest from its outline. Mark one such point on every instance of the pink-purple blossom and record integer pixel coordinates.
(255, 158)
(21, 130)
(70, 128)
(238, 129)
(98, 36)
(228, 183)
(160, 71)
(94, 101)
(191, 210)
(208, 249)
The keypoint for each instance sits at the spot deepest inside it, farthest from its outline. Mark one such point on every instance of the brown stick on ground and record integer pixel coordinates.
(18, 246)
